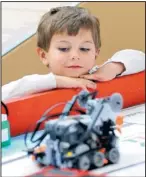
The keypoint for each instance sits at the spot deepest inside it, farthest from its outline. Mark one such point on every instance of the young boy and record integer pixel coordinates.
(68, 43)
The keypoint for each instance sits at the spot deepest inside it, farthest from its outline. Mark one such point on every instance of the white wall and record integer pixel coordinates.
(20, 19)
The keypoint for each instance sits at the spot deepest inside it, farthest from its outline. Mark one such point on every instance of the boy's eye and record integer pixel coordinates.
(84, 49)
(63, 49)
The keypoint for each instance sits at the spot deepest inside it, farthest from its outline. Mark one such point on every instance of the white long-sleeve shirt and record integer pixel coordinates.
(133, 60)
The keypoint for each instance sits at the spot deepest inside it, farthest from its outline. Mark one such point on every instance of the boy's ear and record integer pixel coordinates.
(97, 52)
(42, 55)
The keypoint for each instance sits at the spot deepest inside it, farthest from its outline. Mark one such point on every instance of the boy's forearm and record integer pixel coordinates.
(118, 67)
(28, 85)
(133, 60)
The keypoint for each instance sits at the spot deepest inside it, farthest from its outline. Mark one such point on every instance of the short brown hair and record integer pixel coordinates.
(69, 18)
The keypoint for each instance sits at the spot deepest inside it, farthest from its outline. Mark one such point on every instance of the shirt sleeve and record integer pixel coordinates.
(133, 60)
(28, 85)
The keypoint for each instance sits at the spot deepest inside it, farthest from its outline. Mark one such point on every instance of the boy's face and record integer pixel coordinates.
(70, 55)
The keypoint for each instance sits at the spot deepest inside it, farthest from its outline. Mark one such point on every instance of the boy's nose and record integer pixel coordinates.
(75, 57)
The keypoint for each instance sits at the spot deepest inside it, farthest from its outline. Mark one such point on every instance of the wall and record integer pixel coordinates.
(122, 26)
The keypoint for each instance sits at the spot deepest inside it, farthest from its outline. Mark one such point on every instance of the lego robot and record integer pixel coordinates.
(83, 141)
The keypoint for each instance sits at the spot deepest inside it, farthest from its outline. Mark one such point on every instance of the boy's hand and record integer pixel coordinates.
(68, 82)
(107, 72)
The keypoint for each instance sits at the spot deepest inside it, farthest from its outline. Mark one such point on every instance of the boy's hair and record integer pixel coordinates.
(69, 19)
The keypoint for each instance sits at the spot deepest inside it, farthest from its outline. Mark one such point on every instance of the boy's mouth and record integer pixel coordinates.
(75, 66)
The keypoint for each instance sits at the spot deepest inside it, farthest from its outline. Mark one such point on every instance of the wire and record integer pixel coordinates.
(5, 107)
(38, 124)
